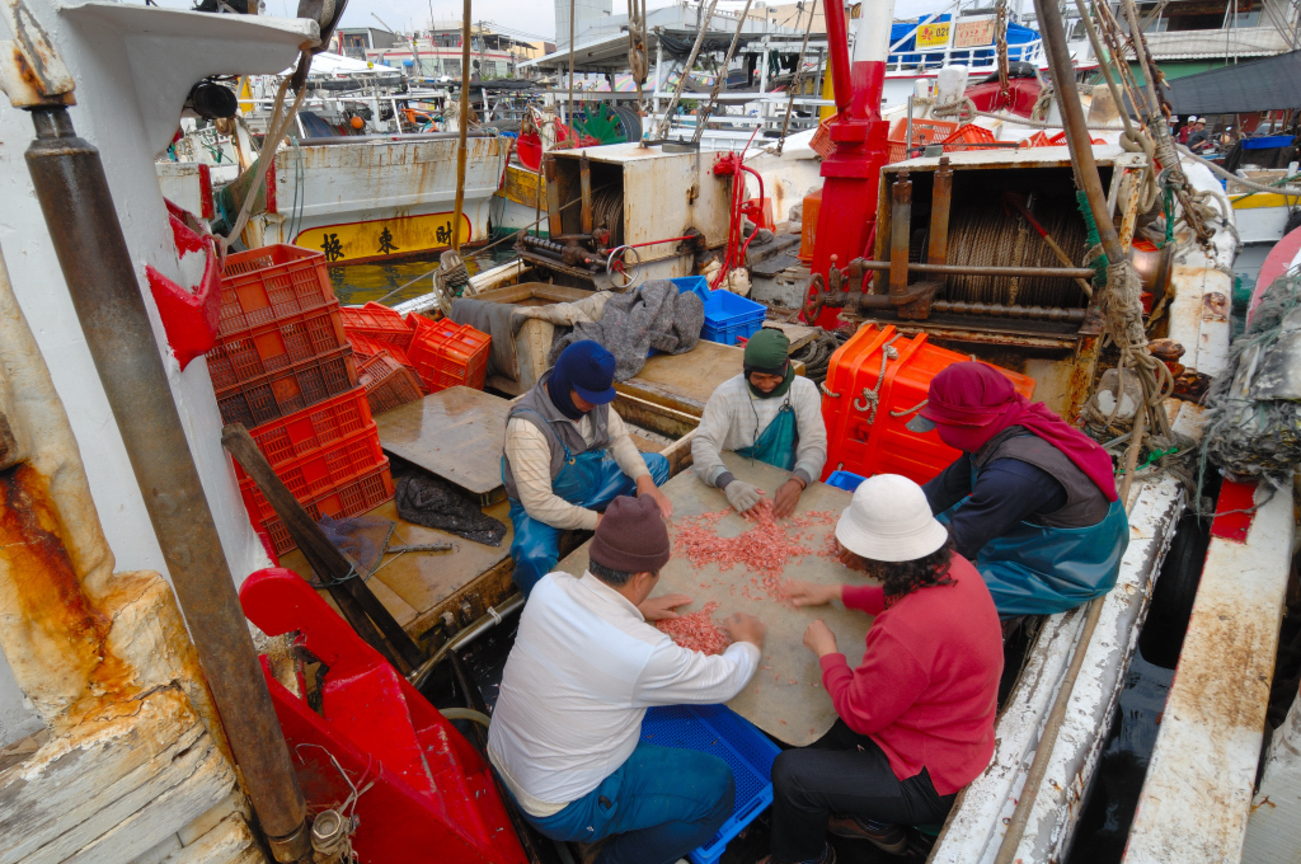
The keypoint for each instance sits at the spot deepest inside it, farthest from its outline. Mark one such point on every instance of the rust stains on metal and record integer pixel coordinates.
(46, 586)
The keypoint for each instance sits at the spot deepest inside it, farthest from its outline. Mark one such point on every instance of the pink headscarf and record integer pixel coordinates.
(971, 402)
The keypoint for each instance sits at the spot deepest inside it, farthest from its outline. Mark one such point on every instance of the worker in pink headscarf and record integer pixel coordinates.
(1032, 501)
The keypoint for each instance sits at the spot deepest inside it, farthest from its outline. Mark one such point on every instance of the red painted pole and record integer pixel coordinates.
(852, 173)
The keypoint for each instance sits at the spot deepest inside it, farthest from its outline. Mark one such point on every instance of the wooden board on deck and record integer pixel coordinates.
(771, 697)
(456, 434)
(685, 382)
(413, 585)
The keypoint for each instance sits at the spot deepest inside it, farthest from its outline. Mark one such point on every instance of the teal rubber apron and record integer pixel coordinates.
(591, 480)
(1039, 570)
(776, 445)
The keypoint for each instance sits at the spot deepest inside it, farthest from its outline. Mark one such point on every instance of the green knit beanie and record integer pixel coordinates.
(766, 353)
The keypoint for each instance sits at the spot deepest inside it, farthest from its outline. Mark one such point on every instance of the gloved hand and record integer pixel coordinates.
(742, 496)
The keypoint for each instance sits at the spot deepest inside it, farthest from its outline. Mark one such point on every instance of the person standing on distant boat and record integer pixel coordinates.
(916, 718)
(767, 413)
(567, 457)
(1031, 501)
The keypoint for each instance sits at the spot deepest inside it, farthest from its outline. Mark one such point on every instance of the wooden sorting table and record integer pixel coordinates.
(785, 697)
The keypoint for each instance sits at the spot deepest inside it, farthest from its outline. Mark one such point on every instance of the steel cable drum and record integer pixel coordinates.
(991, 236)
(607, 212)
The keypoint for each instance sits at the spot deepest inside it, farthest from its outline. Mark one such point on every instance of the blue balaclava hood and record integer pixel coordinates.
(587, 368)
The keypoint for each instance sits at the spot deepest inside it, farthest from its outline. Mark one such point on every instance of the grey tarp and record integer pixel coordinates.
(1270, 84)
(655, 316)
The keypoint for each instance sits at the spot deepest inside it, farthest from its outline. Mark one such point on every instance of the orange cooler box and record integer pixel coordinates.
(867, 424)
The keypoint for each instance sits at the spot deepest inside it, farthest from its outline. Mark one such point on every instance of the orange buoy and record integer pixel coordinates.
(356, 122)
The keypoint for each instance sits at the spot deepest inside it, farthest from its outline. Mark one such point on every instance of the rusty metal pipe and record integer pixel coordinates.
(900, 231)
(78, 207)
(554, 225)
(941, 195)
(585, 187)
(999, 310)
(462, 124)
(1077, 131)
(973, 270)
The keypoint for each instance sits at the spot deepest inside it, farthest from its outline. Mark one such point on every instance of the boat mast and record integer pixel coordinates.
(462, 125)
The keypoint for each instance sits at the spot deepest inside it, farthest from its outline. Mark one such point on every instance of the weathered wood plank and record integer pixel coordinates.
(83, 786)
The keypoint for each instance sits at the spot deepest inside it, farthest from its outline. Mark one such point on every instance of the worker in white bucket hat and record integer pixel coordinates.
(917, 717)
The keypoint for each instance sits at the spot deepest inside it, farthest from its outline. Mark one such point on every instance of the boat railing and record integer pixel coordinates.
(984, 57)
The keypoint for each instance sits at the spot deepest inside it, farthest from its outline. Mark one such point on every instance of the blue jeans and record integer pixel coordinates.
(662, 803)
(536, 547)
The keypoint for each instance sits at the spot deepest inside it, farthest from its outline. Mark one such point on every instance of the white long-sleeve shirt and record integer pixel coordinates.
(529, 453)
(735, 418)
(583, 671)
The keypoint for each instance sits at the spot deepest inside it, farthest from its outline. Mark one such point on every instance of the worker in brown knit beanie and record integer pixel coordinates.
(585, 667)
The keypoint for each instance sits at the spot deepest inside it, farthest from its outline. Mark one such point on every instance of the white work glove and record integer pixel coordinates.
(742, 496)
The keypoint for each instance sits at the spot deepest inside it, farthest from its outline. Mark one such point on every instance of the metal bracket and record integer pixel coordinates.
(31, 74)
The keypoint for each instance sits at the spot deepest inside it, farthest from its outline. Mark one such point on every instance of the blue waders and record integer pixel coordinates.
(776, 445)
(590, 480)
(1037, 570)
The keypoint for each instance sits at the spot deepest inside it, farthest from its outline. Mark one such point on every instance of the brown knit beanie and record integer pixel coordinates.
(631, 537)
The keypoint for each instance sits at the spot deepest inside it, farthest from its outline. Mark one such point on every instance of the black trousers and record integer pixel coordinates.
(845, 774)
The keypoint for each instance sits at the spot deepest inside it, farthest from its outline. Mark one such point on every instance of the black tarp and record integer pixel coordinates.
(1270, 84)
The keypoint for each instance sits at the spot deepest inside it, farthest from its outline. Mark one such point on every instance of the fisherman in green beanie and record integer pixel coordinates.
(767, 413)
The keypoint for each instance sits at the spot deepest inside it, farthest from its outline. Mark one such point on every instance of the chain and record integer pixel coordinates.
(798, 83)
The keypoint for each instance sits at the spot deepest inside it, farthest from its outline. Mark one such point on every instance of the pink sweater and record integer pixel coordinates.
(927, 691)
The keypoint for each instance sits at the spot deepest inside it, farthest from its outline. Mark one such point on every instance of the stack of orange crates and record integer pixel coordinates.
(283, 367)
(380, 338)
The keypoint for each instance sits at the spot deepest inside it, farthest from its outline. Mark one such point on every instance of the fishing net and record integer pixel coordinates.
(1254, 423)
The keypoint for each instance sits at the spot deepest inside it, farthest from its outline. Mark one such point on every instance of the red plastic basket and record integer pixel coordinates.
(291, 389)
(379, 322)
(366, 347)
(315, 429)
(265, 284)
(389, 384)
(245, 355)
(446, 354)
(355, 498)
(924, 132)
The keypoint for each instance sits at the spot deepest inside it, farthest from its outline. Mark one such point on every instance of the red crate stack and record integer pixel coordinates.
(284, 368)
(447, 354)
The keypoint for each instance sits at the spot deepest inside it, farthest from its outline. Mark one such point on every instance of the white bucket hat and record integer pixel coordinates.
(890, 520)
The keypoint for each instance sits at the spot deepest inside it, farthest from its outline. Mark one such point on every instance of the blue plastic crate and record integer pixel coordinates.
(846, 480)
(729, 317)
(697, 285)
(716, 730)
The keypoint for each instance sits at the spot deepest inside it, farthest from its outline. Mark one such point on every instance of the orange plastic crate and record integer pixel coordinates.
(447, 355)
(872, 440)
(320, 474)
(377, 322)
(246, 355)
(389, 384)
(924, 132)
(968, 133)
(265, 284)
(366, 347)
(355, 498)
(314, 429)
(291, 389)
